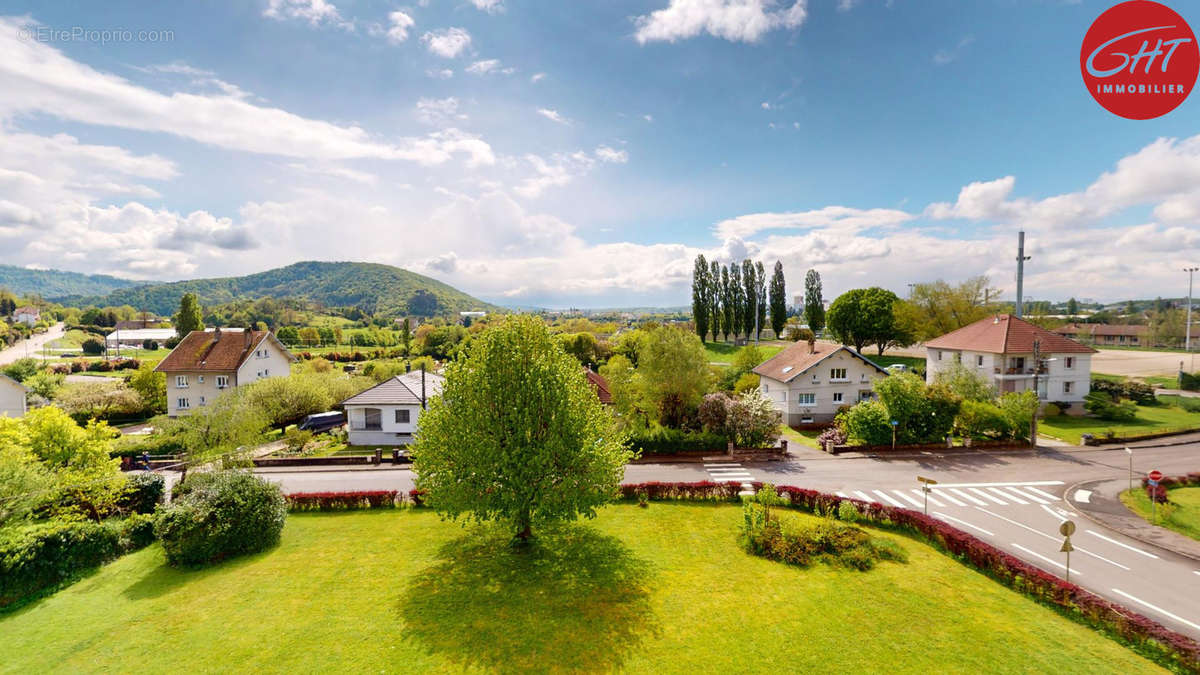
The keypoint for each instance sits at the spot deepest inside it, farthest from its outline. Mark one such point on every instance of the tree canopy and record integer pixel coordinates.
(814, 304)
(866, 316)
(189, 317)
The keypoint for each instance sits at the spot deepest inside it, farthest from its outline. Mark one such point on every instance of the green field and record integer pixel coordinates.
(664, 589)
(1150, 419)
(807, 437)
(723, 352)
(914, 363)
(1182, 514)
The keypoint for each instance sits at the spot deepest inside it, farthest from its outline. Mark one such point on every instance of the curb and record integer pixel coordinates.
(1120, 530)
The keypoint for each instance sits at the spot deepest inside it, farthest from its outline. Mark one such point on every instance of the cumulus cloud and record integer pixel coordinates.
(489, 6)
(607, 154)
(733, 20)
(447, 42)
(398, 25)
(489, 66)
(552, 115)
(840, 217)
(315, 12)
(537, 77)
(439, 111)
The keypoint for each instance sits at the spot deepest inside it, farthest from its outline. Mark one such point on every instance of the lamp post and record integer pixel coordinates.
(1130, 453)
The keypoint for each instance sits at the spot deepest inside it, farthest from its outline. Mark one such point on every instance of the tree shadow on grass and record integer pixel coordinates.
(575, 600)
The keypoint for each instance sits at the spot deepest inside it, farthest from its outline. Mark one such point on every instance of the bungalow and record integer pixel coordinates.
(1105, 334)
(207, 363)
(136, 337)
(12, 397)
(27, 315)
(809, 382)
(1002, 349)
(387, 413)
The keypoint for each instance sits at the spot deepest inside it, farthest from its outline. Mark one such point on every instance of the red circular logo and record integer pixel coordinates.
(1139, 60)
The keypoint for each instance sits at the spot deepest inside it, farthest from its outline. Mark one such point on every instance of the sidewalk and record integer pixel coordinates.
(1178, 392)
(1105, 508)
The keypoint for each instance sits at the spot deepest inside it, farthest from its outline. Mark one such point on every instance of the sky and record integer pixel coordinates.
(581, 154)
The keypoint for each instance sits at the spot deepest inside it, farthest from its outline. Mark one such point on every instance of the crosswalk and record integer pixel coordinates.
(731, 472)
(961, 494)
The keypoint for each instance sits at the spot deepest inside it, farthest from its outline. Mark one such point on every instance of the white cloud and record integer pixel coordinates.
(552, 115)
(399, 23)
(648, 118)
(447, 42)
(489, 6)
(733, 20)
(556, 173)
(336, 171)
(489, 66)
(315, 12)
(607, 154)
(537, 77)
(443, 74)
(439, 111)
(766, 105)
(840, 217)
(847, 5)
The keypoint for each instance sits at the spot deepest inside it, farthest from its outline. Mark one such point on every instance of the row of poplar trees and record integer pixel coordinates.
(734, 299)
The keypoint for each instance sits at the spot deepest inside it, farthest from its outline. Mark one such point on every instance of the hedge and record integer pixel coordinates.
(1150, 638)
(665, 441)
(341, 501)
(1158, 493)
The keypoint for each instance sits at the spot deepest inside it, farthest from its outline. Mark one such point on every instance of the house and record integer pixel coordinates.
(387, 413)
(12, 397)
(1001, 348)
(27, 315)
(599, 385)
(1105, 334)
(206, 363)
(809, 382)
(137, 336)
(147, 321)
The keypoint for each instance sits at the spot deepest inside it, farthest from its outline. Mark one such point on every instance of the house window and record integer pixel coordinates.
(402, 416)
(837, 398)
(200, 379)
(784, 399)
(837, 373)
(816, 378)
(372, 419)
(201, 400)
(806, 399)
(1069, 362)
(1068, 387)
(182, 404)
(939, 355)
(222, 381)
(266, 372)
(766, 388)
(181, 382)
(979, 360)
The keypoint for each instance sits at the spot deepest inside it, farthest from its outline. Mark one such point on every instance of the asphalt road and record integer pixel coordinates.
(32, 346)
(1014, 500)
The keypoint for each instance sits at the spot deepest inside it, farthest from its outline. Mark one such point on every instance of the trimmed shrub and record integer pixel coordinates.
(145, 492)
(136, 532)
(220, 515)
(666, 441)
(93, 347)
(41, 559)
(341, 501)
(1103, 405)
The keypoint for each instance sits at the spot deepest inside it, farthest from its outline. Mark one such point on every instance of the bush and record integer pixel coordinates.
(1189, 381)
(220, 515)
(665, 441)
(136, 532)
(834, 435)
(867, 423)
(145, 492)
(36, 560)
(980, 419)
(340, 501)
(746, 383)
(1138, 392)
(22, 369)
(1102, 405)
(93, 347)
(828, 541)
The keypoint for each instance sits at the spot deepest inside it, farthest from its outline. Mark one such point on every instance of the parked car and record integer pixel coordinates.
(897, 368)
(320, 423)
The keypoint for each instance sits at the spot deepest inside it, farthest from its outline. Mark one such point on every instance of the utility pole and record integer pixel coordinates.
(1187, 326)
(1021, 258)
(1037, 365)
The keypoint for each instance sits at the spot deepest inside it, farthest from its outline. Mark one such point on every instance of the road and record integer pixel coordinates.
(1015, 500)
(31, 346)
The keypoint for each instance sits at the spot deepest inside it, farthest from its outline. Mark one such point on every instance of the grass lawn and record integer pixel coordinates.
(807, 437)
(914, 363)
(723, 352)
(663, 589)
(1182, 514)
(1150, 419)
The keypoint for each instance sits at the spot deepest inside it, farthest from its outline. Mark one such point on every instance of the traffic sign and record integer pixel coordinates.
(1067, 528)
(895, 423)
(1156, 475)
(928, 481)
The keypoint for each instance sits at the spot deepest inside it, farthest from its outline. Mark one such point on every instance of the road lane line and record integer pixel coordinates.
(863, 496)
(1006, 495)
(1054, 539)
(1124, 545)
(964, 495)
(941, 486)
(946, 495)
(1043, 493)
(1028, 495)
(932, 499)
(1053, 514)
(985, 495)
(915, 502)
(943, 516)
(891, 500)
(1048, 560)
(1160, 610)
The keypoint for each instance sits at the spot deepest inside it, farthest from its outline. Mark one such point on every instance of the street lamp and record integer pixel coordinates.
(1130, 452)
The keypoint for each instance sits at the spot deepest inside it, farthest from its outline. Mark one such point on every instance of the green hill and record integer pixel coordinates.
(372, 287)
(52, 284)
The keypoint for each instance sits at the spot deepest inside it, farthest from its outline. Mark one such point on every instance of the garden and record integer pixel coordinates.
(1124, 409)
(1178, 507)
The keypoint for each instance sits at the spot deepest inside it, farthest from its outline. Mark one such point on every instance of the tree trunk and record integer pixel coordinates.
(524, 530)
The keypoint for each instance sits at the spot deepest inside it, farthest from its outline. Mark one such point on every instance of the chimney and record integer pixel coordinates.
(246, 332)
(408, 367)
(217, 334)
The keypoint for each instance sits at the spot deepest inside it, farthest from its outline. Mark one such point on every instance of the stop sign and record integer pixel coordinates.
(1156, 475)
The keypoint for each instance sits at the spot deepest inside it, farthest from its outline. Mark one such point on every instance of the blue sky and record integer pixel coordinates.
(581, 154)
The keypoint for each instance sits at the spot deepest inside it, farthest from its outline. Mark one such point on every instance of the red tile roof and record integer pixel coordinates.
(219, 350)
(600, 385)
(1007, 334)
(1101, 329)
(796, 359)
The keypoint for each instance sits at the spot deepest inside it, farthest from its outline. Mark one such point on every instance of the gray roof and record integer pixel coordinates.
(400, 390)
(21, 386)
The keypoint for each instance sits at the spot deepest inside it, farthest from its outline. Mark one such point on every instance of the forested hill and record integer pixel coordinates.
(52, 284)
(372, 287)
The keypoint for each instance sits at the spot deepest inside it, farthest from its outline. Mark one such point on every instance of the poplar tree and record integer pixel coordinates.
(715, 292)
(728, 303)
(814, 304)
(778, 300)
(760, 292)
(700, 301)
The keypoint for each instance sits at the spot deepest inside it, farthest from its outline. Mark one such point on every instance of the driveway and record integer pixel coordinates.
(32, 346)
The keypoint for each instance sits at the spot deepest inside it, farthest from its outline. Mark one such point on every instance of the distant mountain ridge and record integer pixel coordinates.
(373, 287)
(52, 284)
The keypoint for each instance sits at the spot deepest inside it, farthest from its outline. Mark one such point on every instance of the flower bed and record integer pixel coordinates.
(1158, 492)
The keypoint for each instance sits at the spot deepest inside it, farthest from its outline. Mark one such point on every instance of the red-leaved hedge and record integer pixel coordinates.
(340, 501)
(1158, 492)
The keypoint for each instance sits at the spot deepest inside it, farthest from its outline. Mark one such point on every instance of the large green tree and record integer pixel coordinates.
(715, 313)
(700, 300)
(190, 316)
(760, 292)
(778, 302)
(939, 307)
(517, 435)
(864, 316)
(674, 373)
(750, 293)
(728, 303)
(738, 293)
(814, 303)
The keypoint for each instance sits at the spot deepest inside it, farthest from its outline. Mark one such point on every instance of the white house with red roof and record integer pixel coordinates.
(1001, 348)
(27, 315)
(809, 383)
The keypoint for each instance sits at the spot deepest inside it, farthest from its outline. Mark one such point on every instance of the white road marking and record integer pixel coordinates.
(1027, 495)
(863, 496)
(724, 464)
(968, 497)
(891, 500)
(962, 522)
(1051, 538)
(1043, 493)
(1083, 496)
(843, 495)
(1160, 610)
(1048, 560)
(1006, 495)
(932, 500)
(987, 496)
(1054, 515)
(1196, 572)
(1124, 545)
(941, 486)
(913, 500)
(946, 495)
